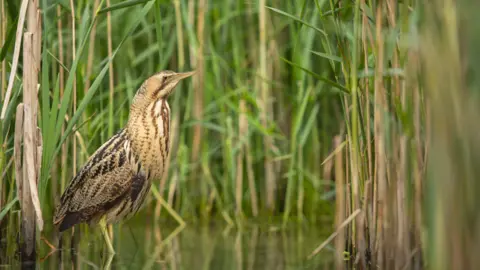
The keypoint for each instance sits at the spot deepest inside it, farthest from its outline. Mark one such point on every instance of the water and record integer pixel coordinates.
(190, 247)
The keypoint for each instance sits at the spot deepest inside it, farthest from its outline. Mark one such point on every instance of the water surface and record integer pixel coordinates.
(189, 247)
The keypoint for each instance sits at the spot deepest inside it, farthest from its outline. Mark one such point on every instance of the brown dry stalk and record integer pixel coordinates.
(239, 182)
(367, 92)
(38, 160)
(242, 133)
(91, 49)
(110, 65)
(198, 81)
(63, 159)
(369, 199)
(74, 53)
(17, 151)
(3, 30)
(253, 57)
(339, 202)
(179, 28)
(251, 180)
(333, 235)
(270, 185)
(379, 143)
(16, 54)
(3, 76)
(31, 63)
(30, 203)
(418, 166)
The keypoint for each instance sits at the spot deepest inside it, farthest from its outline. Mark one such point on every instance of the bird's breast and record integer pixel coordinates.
(150, 140)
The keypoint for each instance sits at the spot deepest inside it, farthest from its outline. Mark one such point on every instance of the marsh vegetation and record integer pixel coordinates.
(351, 124)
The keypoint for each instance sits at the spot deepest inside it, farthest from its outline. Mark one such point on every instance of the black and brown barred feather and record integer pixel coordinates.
(115, 180)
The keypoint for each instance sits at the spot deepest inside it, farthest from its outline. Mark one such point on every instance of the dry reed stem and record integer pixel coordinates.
(91, 49)
(265, 113)
(179, 28)
(64, 149)
(74, 54)
(239, 182)
(198, 81)
(339, 202)
(253, 58)
(30, 140)
(39, 144)
(193, 64)
(16, 54)
(191, 47)
(110, 70)
(379, 106)
(251, 181)
(17, 152)
(367, 92)
(418, 165)
(29, 195)
(333, 235)
(242, 133)
(369, 197)
(3, 31)
(327, 170)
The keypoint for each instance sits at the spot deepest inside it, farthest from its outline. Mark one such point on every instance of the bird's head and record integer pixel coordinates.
(159, 86)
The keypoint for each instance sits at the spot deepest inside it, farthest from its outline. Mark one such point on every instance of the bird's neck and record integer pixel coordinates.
(149, 132)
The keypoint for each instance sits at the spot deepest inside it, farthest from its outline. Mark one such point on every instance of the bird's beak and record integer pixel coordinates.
(183, 75)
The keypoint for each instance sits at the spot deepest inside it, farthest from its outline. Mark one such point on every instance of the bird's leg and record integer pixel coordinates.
(103, 226)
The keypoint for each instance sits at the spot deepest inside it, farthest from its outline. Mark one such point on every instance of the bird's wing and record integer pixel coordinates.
(100, 184)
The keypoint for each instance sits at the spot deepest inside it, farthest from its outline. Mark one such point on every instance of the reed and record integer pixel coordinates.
(356, 114)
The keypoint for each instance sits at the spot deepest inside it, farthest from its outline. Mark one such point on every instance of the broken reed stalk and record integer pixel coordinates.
(30, 202)
(26, 122)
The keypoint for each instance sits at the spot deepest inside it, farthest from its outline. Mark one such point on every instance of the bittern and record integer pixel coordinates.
(115, 180)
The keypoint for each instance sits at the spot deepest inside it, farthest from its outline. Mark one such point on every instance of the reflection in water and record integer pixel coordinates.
(189, 247)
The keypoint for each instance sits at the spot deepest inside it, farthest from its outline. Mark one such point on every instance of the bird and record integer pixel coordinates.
(113, 183)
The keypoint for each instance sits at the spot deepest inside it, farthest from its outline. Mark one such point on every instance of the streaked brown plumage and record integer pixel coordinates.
(116, 178)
